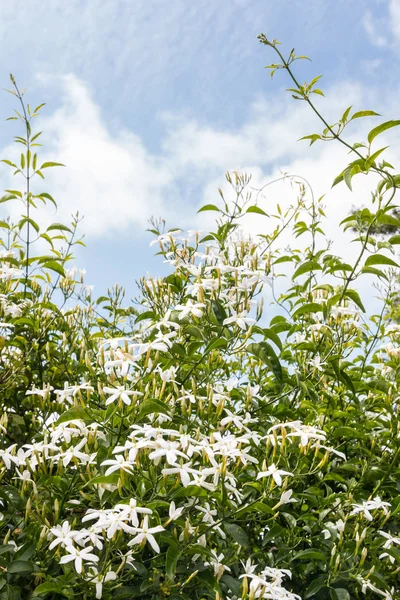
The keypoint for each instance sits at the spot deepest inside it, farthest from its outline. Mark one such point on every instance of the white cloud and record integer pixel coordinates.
(117, 183)
(374, 27)
(383, 26)
(394, 12)
(371, 66)
(110, 177)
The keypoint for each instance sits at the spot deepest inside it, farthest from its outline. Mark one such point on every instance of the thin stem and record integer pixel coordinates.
(336, 136)
(27, 177)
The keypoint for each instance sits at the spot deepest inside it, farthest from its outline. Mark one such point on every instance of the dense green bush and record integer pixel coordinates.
(200, 448)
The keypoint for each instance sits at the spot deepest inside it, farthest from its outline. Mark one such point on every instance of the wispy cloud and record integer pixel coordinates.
(382, 25)
(374, 27)
(394, 12)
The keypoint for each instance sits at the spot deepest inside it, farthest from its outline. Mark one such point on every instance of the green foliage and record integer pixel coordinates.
(202, 447)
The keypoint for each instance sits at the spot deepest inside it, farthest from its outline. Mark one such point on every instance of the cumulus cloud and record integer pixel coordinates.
(117, 183)
(110, 177)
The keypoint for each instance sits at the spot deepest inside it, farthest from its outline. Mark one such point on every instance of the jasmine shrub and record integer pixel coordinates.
(196, 446)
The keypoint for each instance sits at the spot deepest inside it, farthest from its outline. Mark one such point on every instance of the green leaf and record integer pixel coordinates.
(35, 137)
(339, 594)
(173, 554)
(372, 271)
(208, 207)
(59, 227)
(395, 552)
(7, 548)
(308, 308)
(264, 352)
(355, 297)
(272, 335)
(378, 384)
(309, 554)
(347, 380)
(257, 210)
(46, 196)
(46, 588)
(47, 165)
(20, 566)
(7, 198)
(364, 113)
(78, 412)
(347, 175)
(148, 314)
(192, 491)
(237, 533)
(347, 432)
(112, 479)
(215, 344)
(194, 331)
(315, 586)
(314, 137)
(374, 156)
(380, 259)
(233, 583)
(395, 239)
(381, 128)
(199, 549)
(337, 179)
(306, 267)
(153, 407)
(30, 222)
(346, 114)
(259, 507)
(218, 314)
(384, 219)
(25, 552)
(54, 266)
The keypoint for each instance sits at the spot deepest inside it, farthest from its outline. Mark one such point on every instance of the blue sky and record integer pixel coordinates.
(149, 102)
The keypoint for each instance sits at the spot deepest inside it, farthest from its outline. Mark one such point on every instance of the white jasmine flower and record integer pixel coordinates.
(174, 513)
(79, 556)
(132, 510)
(85, 386)
(275, 473)
(75, 452)
(168, 374)
(99, 580)
(117, 463)
(240, 319)
(285, 498)
(183, 471)
(218, 566)
(368, 505)
(336, 527)
(120, 393)
(9, 458)
(305, 433)
(63, 534)
(38, 392)
(316, 363)
(390, 539)
(190, 308)
(163, 341)
(146, 533)
(167, 449)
